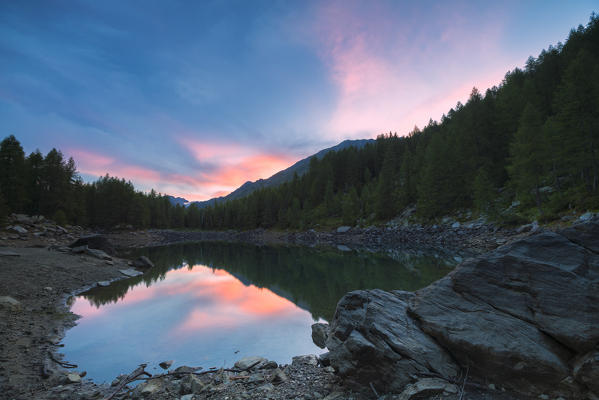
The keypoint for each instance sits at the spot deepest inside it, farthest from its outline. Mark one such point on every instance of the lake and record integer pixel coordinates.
(210, 304)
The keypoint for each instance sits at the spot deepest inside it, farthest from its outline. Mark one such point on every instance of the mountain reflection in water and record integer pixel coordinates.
(208, 304)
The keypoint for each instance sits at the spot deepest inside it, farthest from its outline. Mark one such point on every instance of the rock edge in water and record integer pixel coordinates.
(524, 316)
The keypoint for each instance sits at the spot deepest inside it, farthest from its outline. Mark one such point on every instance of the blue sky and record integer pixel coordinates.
(193, 98)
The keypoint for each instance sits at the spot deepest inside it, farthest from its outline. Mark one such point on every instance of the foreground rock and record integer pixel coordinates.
(525, 317)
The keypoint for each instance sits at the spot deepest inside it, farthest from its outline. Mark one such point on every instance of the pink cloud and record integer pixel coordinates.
(232, 166)
(391, 76)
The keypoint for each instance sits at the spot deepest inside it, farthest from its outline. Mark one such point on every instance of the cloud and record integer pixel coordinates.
(391, 76)
(222, 168)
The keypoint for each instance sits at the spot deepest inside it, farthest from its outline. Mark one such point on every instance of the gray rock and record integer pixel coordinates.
(372, 339)
(586, 371)
(98, 254)
(73, 378)
(166, 364)
(320, 332)
(149, 387)
(79, 249)
(528, 280)
(10, 303)
(269, 365)
(130, 272)
(586, 216)
(342, 247)
(191, 384)
(343, 229)
(103, 283)
(309, 359)
(250, 362)
(143, 262)
(335, 396)
(517, 316)
(427, 387)
(455, 225)
(267, 387)
(279, 376)
(185, 368)
(98, 242)
(17, 229)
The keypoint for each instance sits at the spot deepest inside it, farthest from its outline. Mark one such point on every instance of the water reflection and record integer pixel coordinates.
(313, 279)
(209, 304)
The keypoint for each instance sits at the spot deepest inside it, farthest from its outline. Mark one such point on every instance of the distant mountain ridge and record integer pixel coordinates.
(286, 175)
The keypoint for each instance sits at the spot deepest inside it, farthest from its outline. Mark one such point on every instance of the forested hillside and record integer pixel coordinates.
(534, 138)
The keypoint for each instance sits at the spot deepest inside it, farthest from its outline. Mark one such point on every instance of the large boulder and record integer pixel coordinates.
(524, 316)
(98, 242)
(373, 340)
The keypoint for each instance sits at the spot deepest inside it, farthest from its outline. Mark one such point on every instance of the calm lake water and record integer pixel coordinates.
(210, 304)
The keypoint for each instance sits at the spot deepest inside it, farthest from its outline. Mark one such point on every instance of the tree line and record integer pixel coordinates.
(533, 138)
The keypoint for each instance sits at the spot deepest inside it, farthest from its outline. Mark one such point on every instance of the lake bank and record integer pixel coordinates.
(33, 329)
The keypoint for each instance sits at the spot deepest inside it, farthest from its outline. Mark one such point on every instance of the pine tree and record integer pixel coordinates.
(12, 179)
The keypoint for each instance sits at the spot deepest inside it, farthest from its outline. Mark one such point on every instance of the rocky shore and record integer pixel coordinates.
(441, 342)
(470, 238)
(523, 318)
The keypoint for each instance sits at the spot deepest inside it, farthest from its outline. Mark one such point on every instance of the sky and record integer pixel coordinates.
(193, 98)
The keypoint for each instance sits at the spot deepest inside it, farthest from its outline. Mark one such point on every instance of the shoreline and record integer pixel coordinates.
(82, 272)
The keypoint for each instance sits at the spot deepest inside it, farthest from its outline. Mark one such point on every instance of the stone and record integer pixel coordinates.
(523, 316)
(187, 397)
(166, 364)
(192, 384)
(10, 303)
(61, 230)
(103, 283)
(23, 219)
(342, 247)
(425, 388)
(250, 362)
(79, 249)
(98, 254)
(109, 262)
(532, 227)
(130, 272)
(185, 368)
(309, 359)
(372, 339)
(320, 332)
(335, 396)
(97, 242)
(143, 262)
(586, 216)
(586, 370)
(343, 229)
(73, 378)
(17, 229)
(267, 387)
(149, 387)
(269, 365)
(324, 359)
(279, 376)
(8, 253)
(455, 225)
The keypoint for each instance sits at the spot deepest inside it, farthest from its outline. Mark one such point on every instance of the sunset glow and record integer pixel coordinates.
(260, 85)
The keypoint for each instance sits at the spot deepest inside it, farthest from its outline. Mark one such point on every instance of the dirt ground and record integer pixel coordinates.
(40, 280)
